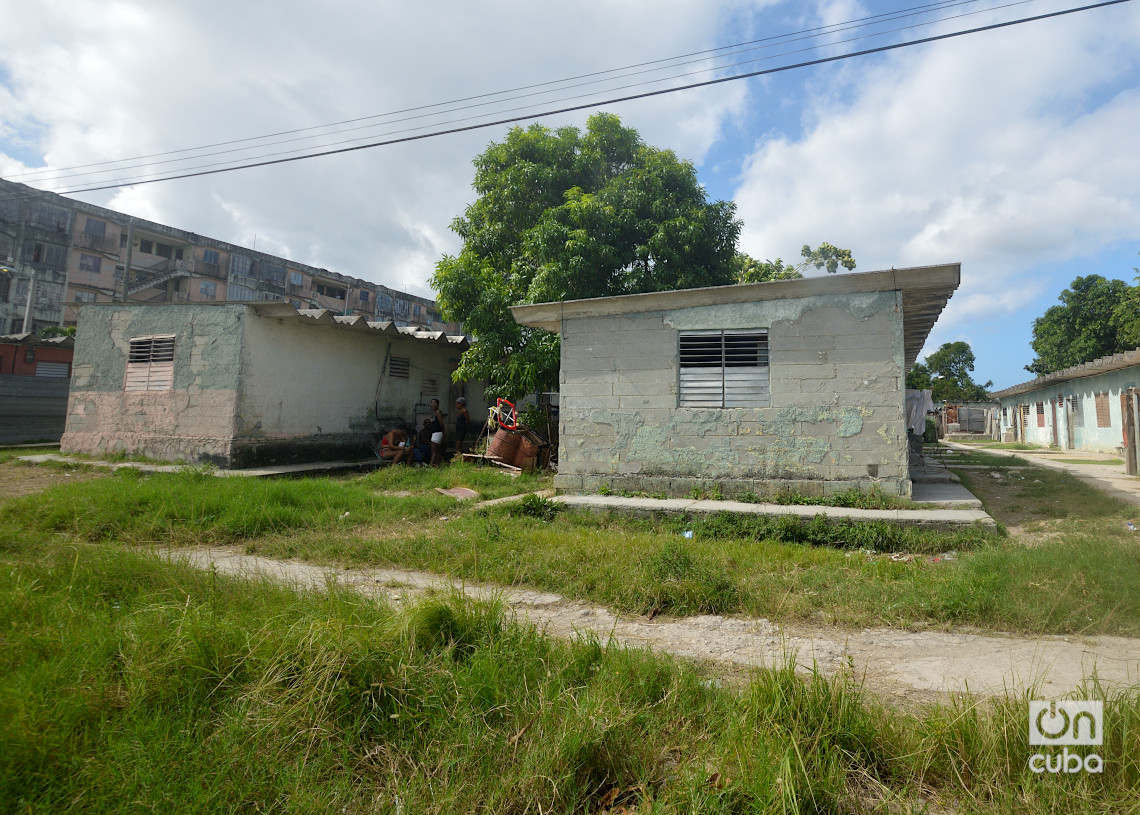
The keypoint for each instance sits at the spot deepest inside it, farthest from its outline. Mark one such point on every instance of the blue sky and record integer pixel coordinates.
(1012, 151)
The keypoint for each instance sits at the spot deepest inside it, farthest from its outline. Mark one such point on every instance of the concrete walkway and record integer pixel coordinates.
(941, 518)
(251, 472)
(1109, 478)
(915, 664)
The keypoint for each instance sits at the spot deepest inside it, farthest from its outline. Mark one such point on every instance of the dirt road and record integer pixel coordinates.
(917, 665)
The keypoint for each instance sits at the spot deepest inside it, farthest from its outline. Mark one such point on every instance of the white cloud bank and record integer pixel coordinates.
(1002, 150)
(85, 84)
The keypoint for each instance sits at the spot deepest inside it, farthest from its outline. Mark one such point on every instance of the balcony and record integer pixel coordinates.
(97, 243)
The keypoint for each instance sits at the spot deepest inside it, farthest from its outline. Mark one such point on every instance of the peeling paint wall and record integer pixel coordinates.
(1076, 420)
(193, 421)
(250, 389)
(836, 417)
(313, 390)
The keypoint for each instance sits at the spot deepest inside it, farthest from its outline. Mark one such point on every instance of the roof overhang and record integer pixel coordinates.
(925, 292)
(1116, 362)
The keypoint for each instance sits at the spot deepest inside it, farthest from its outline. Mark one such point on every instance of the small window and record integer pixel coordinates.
(96, 228)
(150, 366)
(164, 250)
(146, 247)
(210, 256)
(273, 273)
(80, 296)
(1103, 417)
(723, 369)
(296, 279)
(364, 295)
(399, 367)
(208, 288)
(90, 263)
(429, 387)
(1040, 414)
(240, 264)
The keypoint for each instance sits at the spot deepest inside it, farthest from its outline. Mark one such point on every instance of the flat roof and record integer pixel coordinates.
(925, 290)
(1114, 362)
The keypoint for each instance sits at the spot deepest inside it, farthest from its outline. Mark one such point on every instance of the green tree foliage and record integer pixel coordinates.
(749, 270)
(565, 215)
(918, 377)
(1086, 325)
(1126, 316)
(947, 372)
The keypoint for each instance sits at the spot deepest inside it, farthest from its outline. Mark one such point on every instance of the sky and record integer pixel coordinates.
(1012, 151)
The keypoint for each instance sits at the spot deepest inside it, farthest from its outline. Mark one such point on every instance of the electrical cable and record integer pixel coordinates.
(511, 110)
(593, 104)
(912, 11)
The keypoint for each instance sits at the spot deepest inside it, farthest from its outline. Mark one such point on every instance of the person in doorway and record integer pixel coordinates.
(461, 419)
(422, 452)
(436, 433)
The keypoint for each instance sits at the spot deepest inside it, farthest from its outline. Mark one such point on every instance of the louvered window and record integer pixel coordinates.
(723, 369)
(399, 367)
(151, 364)
(1103, 417)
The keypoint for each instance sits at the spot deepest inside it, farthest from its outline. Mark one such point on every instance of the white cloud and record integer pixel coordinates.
(133, 78)
(1002, 150)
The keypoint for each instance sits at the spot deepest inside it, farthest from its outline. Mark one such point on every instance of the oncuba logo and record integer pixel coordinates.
(1066, 724)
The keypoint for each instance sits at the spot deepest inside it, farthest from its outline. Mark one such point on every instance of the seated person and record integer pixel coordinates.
(394, 446)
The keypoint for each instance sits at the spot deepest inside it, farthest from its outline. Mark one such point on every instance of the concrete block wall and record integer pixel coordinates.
(193, 421)
(836, 417)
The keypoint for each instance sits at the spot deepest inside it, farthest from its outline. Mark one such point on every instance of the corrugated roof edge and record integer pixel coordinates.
(29, 338)
(1114, 362)
(353, 322)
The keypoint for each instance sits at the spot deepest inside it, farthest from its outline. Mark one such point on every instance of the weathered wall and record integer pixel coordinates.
(32, 408)
(313, 391)
(193, 421)
(836, 417)
(1086, 435)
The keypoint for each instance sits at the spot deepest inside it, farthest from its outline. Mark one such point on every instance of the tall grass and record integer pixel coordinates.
(128, 683)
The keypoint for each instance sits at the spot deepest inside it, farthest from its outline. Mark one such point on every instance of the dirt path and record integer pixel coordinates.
(916, 665)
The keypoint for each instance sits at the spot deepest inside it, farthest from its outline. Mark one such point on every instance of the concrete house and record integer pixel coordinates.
(795, 383)
(1093, 406)
(243, 384)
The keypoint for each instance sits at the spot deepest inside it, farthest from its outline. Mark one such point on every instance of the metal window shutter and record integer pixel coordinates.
(56, 369)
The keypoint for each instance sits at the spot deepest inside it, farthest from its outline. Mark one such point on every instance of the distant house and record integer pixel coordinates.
(1086, 407)
(242, 384)
(794, 384)
(34, 377)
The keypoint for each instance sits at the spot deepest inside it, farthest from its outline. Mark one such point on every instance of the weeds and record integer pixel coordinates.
(192, 693)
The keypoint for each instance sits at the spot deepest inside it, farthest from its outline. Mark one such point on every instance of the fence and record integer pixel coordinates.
(32, 408)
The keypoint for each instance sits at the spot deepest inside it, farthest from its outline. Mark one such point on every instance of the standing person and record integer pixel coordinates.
(461, 418)
(436, 433)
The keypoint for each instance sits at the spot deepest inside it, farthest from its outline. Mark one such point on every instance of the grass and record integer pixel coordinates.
(1077, 576)
(1116, 462)
(1000, 445)
(197, 693)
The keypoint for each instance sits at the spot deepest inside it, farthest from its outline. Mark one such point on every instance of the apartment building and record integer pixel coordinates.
(77, 253)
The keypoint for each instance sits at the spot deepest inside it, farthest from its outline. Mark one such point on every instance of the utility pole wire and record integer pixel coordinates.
(936, 6)
(602, 103)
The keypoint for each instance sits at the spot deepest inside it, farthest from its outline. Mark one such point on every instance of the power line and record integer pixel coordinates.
(601, 103)
(124, 181)
(912, 11)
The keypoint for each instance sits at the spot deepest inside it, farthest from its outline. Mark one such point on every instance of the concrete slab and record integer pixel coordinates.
(943, 493)
(946, 518)
(252, 472)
